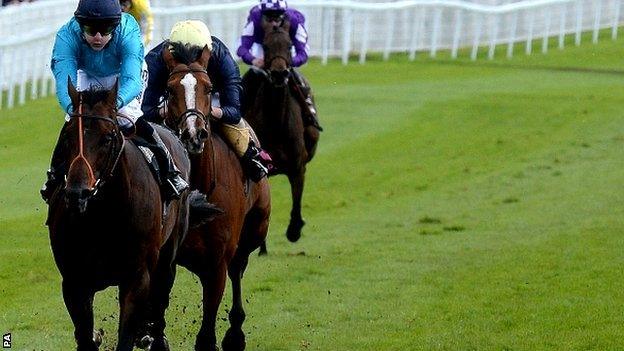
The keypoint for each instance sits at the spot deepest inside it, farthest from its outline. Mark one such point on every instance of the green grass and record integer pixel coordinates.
(452, 205)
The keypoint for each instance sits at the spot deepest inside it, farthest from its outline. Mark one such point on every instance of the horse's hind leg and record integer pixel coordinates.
(293, 233)
(79, 302)
(253, 235)
(133, 295)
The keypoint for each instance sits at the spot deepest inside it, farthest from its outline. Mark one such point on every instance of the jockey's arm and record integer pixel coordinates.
(299, 36)
(247, 40)
(130, 83)
(227, 74)
(156, 83)
(64, 64)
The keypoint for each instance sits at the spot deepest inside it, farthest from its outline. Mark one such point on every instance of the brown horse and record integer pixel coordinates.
(276, 117)
(223, 245)
(106, 224)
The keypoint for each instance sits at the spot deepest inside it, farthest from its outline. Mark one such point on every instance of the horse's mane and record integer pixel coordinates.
(94, 95)
(185, 53)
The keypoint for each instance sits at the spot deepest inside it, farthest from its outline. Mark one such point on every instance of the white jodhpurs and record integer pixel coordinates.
(132, 110)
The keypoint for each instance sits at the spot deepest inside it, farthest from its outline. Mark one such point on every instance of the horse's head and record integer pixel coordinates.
(277, 53)
(189, 94)
(92, 143)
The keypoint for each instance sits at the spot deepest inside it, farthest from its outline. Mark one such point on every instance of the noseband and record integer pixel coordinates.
(111, 161)
(189, 112)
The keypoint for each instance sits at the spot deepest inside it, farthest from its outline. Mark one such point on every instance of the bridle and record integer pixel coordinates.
(111, 162)
(189, 112)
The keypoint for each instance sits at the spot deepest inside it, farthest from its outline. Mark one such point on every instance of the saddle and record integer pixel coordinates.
(149, 156)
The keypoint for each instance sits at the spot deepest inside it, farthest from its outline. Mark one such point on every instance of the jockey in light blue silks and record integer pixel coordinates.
(276, 12)
(97, 47)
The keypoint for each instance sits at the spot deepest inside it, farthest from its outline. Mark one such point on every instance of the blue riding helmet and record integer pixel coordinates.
(98, 12)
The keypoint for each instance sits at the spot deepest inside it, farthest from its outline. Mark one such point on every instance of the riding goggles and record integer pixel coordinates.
(271, 17)
(93, 29)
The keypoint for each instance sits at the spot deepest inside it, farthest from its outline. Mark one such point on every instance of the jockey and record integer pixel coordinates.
(96, 48)
(142, 13)
(251, 52)
(225, 77)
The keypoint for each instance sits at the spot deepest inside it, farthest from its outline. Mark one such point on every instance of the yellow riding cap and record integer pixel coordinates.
(191, 32)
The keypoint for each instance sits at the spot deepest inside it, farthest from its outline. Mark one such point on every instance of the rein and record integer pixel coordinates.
(95, 184)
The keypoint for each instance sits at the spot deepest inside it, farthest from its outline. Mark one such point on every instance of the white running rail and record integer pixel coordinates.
(336, 29)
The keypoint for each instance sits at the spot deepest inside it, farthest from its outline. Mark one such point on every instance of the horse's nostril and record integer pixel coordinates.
(203, 134)
(185, 135)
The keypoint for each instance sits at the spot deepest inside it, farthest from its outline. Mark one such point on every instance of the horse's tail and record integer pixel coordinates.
(201, 211)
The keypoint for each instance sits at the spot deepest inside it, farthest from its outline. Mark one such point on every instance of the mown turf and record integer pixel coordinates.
(452, 206)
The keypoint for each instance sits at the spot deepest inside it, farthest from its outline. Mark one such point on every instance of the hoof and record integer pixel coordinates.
(293, 233)
(98, 337)
(160, 344)
(263, 251)
(145, 342)
(234, 340)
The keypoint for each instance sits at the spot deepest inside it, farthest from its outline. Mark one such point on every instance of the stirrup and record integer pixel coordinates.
(176, 186)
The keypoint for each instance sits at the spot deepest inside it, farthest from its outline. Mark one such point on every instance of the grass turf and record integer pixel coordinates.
(452, 205)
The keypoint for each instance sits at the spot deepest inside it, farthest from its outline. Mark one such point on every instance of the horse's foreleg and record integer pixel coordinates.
(133, 295)
(161, 283)
(293, 233)
(234, 339)
(79, 302)
(213, 285)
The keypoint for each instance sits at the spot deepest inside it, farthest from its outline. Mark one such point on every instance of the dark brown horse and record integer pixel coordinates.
(223, 245)
(276, 116)
(107, 225)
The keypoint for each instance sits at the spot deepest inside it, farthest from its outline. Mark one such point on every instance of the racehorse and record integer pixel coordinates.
(107, 224)
(223, 245)
(276, 116)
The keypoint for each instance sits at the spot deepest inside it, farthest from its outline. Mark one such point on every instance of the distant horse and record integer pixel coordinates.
(107, 225)
(224, 244)
(276, 117)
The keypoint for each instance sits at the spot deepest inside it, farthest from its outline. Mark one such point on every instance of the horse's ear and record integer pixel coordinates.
(111, 99)
(168, 57)
(205, 56)
(73, 93)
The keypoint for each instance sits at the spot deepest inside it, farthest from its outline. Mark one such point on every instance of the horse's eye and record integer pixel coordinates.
(108, 138)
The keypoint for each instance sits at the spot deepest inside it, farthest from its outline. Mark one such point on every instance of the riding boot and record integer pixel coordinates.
(55, 174)
(174, 183)
(252, 163)
(53, 181)
(250, 83)
(310, 116)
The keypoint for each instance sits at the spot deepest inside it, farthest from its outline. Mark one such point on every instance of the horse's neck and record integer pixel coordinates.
(211, 164)
(275, 102)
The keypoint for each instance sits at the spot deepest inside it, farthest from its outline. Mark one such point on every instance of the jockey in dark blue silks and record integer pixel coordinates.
(276, 12)
(225, 77)
(96, 48)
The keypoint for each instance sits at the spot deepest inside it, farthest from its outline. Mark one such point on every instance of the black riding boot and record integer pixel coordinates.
(173, 183)
(54, 181)
(252, 163)
(55, 174)
(250, 83)
(309, 111)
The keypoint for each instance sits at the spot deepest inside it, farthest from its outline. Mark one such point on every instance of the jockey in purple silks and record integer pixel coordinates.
(250, 51)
